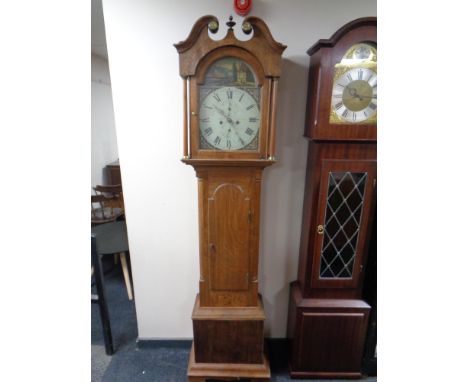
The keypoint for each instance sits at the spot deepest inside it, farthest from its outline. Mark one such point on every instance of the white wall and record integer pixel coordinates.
(161, 192)
(103, 136)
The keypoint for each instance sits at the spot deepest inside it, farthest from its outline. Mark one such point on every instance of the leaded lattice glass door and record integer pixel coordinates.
(345, 202)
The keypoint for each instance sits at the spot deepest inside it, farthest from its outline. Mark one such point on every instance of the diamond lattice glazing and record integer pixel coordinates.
(345, 199)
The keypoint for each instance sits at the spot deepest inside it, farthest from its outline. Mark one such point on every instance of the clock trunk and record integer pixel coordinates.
(229, 201)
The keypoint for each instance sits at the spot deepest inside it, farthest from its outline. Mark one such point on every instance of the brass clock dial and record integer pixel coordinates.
(354, 95)
(354, 92)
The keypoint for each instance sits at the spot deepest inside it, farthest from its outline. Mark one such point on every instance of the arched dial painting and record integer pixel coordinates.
(354, 94)
(229, 108)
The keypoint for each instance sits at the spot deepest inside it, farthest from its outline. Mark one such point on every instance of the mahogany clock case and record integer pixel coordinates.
(324, 55)
(327, 318)
(323, 158)
(326, 336)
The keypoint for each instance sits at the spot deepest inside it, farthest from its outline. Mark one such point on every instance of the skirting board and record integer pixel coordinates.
(154, 343)
(159, 343)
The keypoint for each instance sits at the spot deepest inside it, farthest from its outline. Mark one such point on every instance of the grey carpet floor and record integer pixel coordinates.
(163, 362)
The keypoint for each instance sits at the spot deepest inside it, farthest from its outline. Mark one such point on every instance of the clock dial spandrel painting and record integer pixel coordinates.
(229, 107)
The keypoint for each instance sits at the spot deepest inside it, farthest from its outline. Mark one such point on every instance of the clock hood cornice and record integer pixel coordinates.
(199, 44)
(345, 29)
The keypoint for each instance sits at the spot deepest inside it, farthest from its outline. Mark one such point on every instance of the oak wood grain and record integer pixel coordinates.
(228, 334)
(185, 123)
(228, 316)
(228, 371)
(229, 205)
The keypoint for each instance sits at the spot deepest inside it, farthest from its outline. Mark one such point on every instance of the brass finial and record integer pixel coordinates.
(213, 26)
(246, 27)
(230, 23)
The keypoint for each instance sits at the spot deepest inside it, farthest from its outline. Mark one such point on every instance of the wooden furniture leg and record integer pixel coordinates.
(100, 298)
(128, 284)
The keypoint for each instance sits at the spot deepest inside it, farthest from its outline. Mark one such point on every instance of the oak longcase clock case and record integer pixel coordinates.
(327, 319)
(229, 93)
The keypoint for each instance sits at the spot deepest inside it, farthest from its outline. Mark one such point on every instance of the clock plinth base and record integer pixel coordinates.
(204, 372)
(232, 335)
(326, 336)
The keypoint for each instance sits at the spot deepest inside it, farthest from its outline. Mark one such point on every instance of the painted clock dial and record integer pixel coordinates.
(229, 118)
(229, 108)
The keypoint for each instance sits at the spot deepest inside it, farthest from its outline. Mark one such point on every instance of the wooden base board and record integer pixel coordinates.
(200, 372)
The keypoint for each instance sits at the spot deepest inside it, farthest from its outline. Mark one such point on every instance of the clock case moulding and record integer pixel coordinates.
(228, 315)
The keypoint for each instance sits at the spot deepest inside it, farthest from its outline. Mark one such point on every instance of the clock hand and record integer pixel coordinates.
(230, 121)
(355, 94)
(363, 96)
(221, 111)
(233, 127)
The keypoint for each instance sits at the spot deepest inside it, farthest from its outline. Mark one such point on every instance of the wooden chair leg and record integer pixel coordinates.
(101, 299)
(128, 284)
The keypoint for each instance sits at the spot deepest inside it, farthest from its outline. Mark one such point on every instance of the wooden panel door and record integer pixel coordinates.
(229, 218)
(346, 202)
(228, 238)
(321, 347)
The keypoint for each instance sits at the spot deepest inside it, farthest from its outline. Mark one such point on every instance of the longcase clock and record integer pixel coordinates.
(327, 319)
(229, 93)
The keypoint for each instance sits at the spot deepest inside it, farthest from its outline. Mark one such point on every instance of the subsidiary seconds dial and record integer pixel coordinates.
(229, 118)
(354, 97)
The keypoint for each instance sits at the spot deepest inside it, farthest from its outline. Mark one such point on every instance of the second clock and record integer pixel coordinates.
(327, 319)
